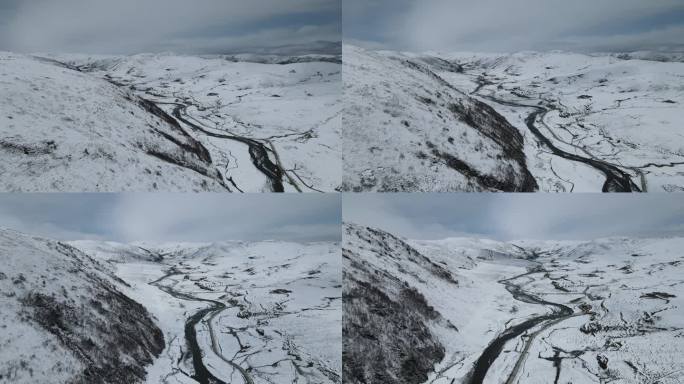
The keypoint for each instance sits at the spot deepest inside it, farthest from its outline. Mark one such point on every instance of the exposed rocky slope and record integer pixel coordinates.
(64, 318)
(407, 129)
(388, 332)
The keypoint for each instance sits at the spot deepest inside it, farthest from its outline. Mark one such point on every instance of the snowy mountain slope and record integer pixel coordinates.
(114, 252)
(64, 318)
(524, 312)
(270, 126)
(408, 315)
(61, 130)
(381, 315)
(406, 129)
(591, 123)
(586, 123)
(237, 312)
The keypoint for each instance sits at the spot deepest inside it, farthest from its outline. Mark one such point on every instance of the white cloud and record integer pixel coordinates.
(45, 229)
(215, 217)
(585, 216)
(665, 37)
(269, 38)
(519, 216)
(505, 26)
(173, 217)
(421, 216)
(133, 25)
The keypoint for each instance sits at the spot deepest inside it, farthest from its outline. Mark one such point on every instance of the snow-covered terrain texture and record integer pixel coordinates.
(591, 122)
(584, 123)
(62, 130)
(409, 130)
(269, 123)
(64, 318)
(237, 312)
(482, 311)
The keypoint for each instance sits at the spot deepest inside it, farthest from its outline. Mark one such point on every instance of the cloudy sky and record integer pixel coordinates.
(505, 26)
(134, 26)
(173, 217)
(519, 216)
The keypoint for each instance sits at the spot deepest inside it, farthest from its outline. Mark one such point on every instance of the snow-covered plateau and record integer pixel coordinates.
(230, 312)
(164, 122)
(467, 310)
(552, 122)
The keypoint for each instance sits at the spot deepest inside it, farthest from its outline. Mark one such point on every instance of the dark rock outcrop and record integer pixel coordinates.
(386, 322)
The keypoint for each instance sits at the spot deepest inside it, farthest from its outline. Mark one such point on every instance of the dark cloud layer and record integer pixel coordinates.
(173, 217)
(133, 26)
(519, 216)
(506, 26)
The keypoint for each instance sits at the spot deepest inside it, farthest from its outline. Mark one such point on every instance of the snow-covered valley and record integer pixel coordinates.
(165, 122)
(582, 123)
(232, 312)
(467, 310)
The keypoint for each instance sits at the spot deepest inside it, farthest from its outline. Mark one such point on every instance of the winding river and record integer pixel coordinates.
(493, 350)
(202, 374)
(617, 180)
